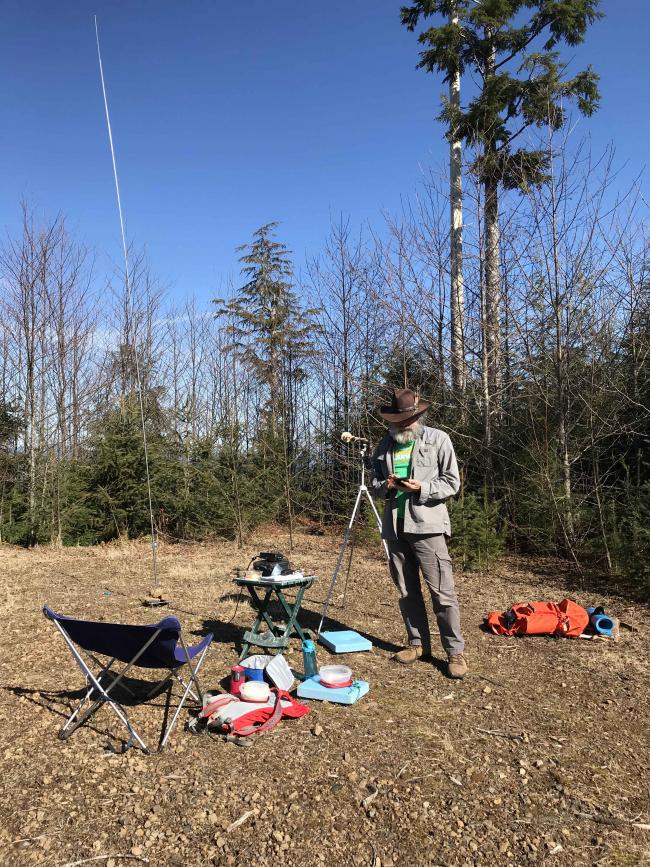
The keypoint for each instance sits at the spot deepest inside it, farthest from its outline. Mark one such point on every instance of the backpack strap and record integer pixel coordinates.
(272, 720)
(563, 624)
(216, 704)
(198, 724)
(268, 717)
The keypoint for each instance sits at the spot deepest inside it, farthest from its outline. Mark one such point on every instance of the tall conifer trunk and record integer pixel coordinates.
(458, 375)
(492, 290)
(492, 257)
(485, 385)
(562, 391)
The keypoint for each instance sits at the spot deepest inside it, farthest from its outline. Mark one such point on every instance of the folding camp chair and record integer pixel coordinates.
(152, 646)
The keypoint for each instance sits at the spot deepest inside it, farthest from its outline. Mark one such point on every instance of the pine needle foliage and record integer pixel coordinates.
(477, 539)
(272, 335)
(510, 45)
(269, 329)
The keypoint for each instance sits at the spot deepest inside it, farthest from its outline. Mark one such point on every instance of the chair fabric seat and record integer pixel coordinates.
(152, 645)
(123, 641)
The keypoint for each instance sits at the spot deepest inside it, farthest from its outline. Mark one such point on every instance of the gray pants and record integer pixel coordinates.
(409, 554)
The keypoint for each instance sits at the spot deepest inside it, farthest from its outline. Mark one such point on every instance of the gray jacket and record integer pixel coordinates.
(433, 464)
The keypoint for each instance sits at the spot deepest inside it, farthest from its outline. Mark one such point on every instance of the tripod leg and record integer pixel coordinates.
(378, 519)
(346, 538)
(347, 573)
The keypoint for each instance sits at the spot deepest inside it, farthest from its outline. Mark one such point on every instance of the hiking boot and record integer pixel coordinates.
(456, 666)
(409, 654)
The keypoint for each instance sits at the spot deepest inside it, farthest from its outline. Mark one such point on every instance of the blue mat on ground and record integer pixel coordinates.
(313, 688)
(344, 641)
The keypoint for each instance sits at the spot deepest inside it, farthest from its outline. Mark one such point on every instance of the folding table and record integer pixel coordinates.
(274, 635)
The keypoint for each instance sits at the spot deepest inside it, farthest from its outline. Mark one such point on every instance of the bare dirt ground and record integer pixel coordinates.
(540, 756)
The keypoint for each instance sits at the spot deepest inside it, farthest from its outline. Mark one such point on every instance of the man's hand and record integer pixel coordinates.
(396, 483)
(410, 485)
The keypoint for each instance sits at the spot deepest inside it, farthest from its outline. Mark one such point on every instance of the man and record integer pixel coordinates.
(415, 471)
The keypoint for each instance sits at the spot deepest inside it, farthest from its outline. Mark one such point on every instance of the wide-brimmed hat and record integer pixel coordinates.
(405, 406)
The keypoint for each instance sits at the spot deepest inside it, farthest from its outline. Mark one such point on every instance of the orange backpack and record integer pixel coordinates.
(540, 618)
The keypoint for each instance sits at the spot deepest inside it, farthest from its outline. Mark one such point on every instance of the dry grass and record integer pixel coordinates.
(502, 768)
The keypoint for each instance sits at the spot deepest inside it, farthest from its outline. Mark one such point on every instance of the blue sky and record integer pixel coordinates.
(229, 115)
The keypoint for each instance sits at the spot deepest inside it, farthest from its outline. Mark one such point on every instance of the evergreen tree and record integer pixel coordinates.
(115, 475)
(520, 85)
(10, 467)
(477, 538)
(271, 333)
(268, 326)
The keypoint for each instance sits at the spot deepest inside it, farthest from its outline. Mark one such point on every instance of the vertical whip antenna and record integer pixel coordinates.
(127, 284)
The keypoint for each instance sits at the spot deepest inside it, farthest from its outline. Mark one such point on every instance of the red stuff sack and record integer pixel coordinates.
(539, 618)
(575, 619)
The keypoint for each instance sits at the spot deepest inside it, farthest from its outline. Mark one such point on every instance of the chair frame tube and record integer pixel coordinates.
(75, 721)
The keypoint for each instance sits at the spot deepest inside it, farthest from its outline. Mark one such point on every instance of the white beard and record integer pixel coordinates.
(403, 435)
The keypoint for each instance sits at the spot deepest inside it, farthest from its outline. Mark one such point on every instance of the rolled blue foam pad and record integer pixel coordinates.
(603, 624)
(313, 688)
(345, 641)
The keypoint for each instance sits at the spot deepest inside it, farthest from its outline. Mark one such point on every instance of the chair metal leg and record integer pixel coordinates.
(180, 680)
(193, 679)
(157, 687)
(91, 690)
(66, 732)
(193, 671)
(97, 694)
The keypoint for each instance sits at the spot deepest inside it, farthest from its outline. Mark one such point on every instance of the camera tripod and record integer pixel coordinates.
(363, 491)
